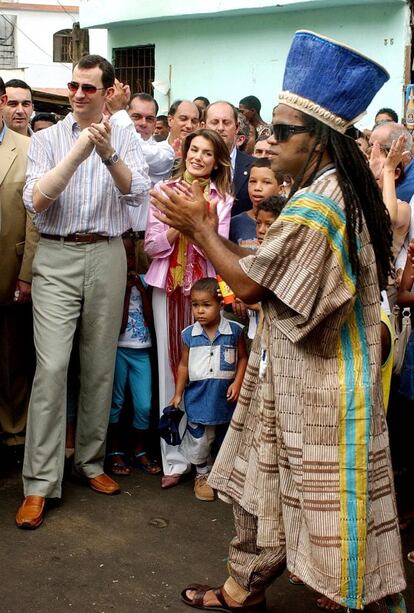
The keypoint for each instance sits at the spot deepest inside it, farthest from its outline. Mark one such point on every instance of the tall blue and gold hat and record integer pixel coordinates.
(329, 80)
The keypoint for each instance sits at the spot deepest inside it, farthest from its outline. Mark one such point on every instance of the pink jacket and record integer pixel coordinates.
(156, 244)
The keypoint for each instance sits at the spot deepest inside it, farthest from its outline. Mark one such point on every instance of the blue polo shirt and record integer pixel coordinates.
(212, 367)
(405, 188)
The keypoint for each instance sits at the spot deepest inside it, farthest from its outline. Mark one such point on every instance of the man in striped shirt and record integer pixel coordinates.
(83, 176)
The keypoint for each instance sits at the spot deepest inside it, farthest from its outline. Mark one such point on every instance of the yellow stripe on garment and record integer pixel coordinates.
(354, 420)
(325, 216)
(342, 475)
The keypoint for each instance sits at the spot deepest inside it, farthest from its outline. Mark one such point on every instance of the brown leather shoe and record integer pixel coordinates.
(30, 513)
(104, 485)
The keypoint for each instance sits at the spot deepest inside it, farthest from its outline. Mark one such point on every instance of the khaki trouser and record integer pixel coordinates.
(72, 282)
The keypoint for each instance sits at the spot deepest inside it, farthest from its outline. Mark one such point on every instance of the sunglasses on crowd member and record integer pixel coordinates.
(283, 131)
(86, 88)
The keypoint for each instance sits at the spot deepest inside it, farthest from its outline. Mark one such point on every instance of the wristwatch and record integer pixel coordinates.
(112, 159)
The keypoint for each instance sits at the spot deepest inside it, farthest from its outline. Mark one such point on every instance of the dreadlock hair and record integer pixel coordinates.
(360, 192)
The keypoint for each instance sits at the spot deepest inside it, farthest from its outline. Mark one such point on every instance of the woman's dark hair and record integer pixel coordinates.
(267, 163)
(221, 174)
(362, 197)
(209, 285)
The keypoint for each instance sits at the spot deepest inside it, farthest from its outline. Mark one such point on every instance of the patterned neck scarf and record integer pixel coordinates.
(186, 266)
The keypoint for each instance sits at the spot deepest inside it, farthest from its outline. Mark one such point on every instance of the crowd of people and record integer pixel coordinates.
(164, 267)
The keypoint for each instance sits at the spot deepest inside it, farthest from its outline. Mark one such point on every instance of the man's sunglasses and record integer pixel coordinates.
(86, 88)
(282, 131)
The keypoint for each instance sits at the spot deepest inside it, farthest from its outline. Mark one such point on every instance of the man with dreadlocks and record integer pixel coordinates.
(306, 461)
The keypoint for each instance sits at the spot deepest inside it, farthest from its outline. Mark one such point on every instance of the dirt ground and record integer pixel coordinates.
(129, 553)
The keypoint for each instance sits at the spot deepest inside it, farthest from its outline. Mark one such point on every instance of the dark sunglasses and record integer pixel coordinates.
(282, 131)
(86, 88)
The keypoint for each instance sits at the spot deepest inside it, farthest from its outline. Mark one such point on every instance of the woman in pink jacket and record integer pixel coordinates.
(177, 264)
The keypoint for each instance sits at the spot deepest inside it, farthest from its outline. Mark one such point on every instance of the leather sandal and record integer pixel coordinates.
(151, 467)
(116, 464)
(200, 592)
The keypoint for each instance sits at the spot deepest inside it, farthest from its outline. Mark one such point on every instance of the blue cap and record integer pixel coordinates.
(329, 81)
(169, 423)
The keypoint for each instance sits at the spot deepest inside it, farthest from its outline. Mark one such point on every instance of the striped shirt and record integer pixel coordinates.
(91, 202)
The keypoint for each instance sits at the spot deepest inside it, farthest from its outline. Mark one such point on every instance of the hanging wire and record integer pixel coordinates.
(67, 13)
(32, 41)
(5, 41)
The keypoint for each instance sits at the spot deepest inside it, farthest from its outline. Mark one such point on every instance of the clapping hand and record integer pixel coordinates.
(186, 211)
(395, 153)
(376, 162)
(100, 137)
(119, 99)
(83, 146)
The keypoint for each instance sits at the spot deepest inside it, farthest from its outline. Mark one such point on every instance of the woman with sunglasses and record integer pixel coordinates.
(178, 263)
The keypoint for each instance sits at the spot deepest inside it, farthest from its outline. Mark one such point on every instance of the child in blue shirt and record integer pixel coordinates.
(133, 369)
(209, 377)
(263, 183)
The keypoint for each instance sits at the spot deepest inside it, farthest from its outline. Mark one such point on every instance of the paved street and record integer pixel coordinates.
(132, 552)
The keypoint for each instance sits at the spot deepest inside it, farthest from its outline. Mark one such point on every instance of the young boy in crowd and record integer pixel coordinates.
(266, 213)
(133, 368)
(263, 183)
(209, 378)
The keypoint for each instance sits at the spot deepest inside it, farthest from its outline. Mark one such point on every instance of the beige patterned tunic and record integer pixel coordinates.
(307, 449)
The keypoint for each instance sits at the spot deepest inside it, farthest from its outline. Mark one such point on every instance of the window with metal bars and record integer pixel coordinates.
(136, 67)
(8, 57)
(62, 42)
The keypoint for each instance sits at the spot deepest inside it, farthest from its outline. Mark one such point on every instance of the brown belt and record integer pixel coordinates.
(77, 238)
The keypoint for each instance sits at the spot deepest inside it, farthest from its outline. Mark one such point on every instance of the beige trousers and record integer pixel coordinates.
(71, 283)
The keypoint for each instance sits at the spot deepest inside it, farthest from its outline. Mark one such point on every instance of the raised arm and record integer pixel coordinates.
(405, 296)
(100, 137)
(189, 215)
(49, 187)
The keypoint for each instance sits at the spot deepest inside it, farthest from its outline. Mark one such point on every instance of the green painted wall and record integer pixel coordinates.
(103, 12)
(231, 57)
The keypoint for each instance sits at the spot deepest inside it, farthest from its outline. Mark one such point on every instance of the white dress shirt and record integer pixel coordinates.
(159, 157)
